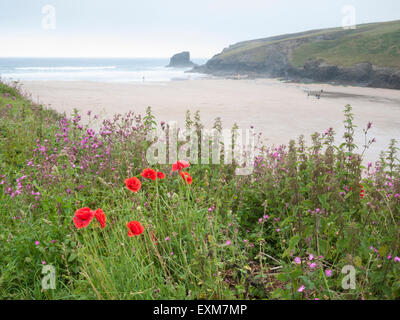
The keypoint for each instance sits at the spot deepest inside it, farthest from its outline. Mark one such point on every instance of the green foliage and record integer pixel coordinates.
(223, 237)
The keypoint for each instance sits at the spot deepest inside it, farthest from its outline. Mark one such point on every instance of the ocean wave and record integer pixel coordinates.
(65, 68)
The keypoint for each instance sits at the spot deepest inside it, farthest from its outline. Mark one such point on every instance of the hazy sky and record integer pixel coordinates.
(150, 28)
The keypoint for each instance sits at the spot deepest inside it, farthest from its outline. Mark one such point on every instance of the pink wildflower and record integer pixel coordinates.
(328, 273)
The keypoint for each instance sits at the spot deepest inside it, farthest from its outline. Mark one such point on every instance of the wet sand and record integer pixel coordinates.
(281, 111)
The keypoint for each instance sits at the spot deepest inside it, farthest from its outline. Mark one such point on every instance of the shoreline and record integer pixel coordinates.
(281, 111)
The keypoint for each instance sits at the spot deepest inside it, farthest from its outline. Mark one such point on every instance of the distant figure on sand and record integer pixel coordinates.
(317, 94)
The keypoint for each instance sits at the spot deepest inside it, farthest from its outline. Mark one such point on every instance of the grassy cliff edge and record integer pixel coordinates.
(368, 55)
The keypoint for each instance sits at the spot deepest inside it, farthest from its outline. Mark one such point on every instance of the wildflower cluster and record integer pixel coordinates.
(284, 232)
(84, 216)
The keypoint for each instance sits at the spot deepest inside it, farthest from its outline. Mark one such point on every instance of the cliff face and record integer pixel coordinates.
(181, 60)
(365, 74)
(367, 56)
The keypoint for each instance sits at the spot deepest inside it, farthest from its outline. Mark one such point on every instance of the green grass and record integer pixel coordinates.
(377, 43)
(222, 237)
(263, 44)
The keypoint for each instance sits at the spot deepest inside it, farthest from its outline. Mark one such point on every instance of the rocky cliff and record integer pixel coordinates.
(367, 56)
(181, 60)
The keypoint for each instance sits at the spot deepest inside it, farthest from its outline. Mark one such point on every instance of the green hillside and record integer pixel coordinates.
(378, 44)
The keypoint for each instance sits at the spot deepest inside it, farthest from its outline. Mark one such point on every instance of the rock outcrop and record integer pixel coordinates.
(274, 57)
(181, 60)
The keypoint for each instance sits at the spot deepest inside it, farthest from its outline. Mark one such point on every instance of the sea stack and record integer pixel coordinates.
(181, 60)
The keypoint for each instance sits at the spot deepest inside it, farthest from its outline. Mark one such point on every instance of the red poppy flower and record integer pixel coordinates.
(186, 176)
(160, 175)
(179, 165)
(101, 217)
(149, 174)
(134, 228)
(133, 184)
(83, 217)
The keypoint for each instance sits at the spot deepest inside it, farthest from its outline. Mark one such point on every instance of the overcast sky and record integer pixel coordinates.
(150, 28)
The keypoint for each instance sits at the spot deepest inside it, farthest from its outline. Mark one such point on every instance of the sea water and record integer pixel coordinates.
(94, 69)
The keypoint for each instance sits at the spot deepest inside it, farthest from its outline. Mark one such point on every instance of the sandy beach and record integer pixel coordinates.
(281, 111)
